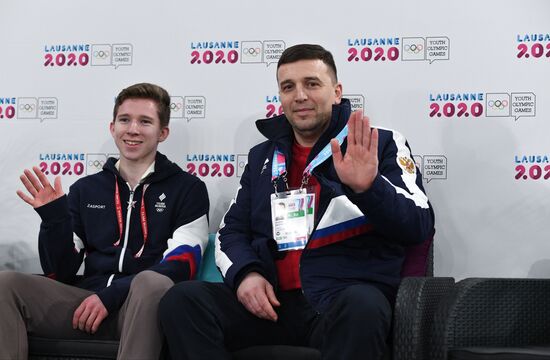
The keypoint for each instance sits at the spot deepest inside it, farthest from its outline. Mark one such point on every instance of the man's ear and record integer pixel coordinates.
(164, 132)
(338, 93)
(112, 128)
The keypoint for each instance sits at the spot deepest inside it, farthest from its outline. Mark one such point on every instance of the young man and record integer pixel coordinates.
(324, 275)
(141, 225)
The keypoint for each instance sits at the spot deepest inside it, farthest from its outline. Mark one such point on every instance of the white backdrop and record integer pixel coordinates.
(466, 82)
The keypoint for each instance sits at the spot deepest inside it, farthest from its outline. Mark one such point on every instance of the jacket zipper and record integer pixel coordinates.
(306, 249)
(127, 230)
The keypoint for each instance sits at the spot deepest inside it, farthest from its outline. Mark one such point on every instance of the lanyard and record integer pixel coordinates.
(142, 216)
(278, 167)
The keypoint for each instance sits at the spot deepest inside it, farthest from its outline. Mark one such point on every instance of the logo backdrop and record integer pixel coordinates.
(466, 82)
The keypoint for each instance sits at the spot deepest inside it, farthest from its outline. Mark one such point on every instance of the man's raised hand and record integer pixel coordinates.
(39, 188)
(359, 166)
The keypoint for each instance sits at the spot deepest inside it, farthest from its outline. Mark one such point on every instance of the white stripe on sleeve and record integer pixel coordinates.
(192, 234)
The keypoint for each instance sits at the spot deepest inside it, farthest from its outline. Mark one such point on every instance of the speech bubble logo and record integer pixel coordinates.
(102, 55)
(122, 55)
(273, 49)
(497, 105)
(47, 108)
(357, 102)
(27, 108)
(418, 161)
(242, 160)
(434, 167)
(252, 52)
(523, 104)
(176, 107)
(194, 107)
(413, 49)
(437, 48)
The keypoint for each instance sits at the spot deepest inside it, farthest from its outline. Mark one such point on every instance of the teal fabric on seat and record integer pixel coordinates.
(209, 271)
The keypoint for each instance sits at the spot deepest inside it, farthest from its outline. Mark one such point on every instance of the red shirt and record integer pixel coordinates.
(288, 268)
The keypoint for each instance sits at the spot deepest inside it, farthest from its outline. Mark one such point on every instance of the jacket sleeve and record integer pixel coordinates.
(396, 203)
(182, 257)
(235, 256)
(61, 239)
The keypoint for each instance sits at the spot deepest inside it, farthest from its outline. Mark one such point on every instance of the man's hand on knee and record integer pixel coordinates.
(89, 314)
(257, 296)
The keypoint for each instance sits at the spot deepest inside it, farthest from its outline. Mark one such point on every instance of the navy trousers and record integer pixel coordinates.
(206, 321)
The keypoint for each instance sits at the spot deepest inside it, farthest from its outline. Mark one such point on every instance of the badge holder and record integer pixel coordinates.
(292, 216)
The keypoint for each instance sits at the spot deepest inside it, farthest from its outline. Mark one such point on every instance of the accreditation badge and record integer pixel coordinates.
(290, 219)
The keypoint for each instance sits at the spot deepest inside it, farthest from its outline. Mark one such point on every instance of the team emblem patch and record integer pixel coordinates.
(407, 164)
(161, 205)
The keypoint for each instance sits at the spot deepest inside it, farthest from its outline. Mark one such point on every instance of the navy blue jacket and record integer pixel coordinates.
(358, 238)
(83, 225)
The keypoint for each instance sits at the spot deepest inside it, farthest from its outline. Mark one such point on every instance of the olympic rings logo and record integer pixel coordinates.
(101, 54)
(98, 164)
(26, 107)
(176, 106)
(251, 51)
(414, 48)
(499, 104)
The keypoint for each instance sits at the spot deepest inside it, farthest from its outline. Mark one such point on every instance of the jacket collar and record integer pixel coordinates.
(163, 168)
(279, 130)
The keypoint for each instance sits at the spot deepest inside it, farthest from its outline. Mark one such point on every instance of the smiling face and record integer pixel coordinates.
(307, 91)
(137, 131)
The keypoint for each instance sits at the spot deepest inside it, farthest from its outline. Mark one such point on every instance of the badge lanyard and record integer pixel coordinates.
(278, 166)
(293, 211)
(142, 216)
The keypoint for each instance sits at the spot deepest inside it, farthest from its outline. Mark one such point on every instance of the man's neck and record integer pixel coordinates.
(306, 141)
(309, 138)
(132, 172)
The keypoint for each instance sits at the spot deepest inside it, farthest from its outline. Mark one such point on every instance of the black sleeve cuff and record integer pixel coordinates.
(55, 210)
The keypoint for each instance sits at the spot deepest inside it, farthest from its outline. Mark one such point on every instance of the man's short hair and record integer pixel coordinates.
(308, 52)
(149, 92)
